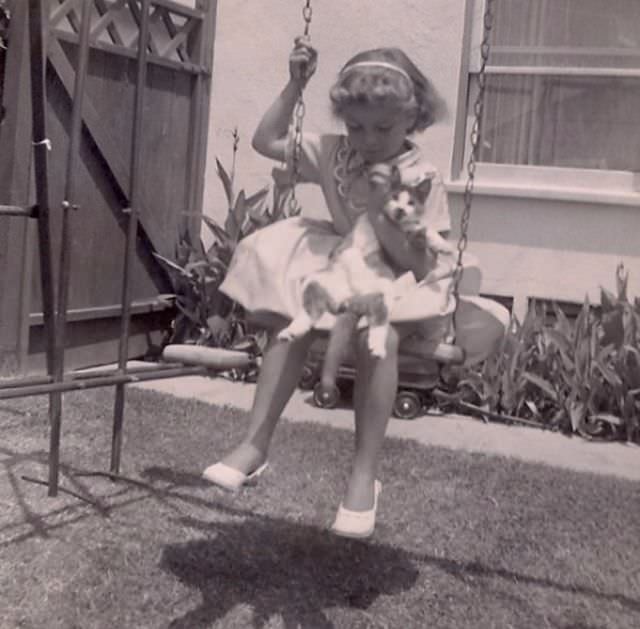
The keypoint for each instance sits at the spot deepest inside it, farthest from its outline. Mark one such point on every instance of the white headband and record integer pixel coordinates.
(376, 64)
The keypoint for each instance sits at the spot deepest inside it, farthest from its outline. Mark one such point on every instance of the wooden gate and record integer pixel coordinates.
(175, 119)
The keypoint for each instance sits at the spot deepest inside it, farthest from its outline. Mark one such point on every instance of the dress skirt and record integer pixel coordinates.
(270, 265)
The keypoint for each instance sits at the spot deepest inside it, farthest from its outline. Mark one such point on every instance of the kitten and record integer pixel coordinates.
(358, 279)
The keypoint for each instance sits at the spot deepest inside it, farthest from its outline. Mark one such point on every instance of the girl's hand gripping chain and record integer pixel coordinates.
(303, 61)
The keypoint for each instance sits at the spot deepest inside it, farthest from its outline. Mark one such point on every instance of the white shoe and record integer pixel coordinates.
(229, 478)
(357, 524)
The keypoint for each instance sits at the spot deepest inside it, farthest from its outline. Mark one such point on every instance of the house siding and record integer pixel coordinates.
(528, 246)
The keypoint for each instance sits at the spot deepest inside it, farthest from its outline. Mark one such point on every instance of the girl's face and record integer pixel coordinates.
(377, 132)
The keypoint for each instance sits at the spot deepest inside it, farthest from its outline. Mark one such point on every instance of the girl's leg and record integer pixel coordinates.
(374, 392)
(279, 375)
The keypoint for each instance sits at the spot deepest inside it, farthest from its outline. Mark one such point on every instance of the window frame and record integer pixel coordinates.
(555, 182)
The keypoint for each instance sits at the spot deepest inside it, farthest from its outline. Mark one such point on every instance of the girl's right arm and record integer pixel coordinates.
(270, 138)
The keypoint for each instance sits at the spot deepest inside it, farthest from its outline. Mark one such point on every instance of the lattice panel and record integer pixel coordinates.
(115, 25)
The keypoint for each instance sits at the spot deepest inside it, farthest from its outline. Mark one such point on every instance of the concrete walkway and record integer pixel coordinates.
(449, 431)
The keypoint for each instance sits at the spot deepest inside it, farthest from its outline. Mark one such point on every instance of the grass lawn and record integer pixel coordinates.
(463, 541)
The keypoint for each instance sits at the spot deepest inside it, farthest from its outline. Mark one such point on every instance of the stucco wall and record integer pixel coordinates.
(552, 249)
(526, 247)
(253, 41)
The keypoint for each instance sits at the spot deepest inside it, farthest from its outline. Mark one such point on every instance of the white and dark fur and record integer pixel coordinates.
(358, 278)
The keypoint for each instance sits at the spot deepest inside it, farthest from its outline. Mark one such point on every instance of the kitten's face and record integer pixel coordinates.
(405, 204)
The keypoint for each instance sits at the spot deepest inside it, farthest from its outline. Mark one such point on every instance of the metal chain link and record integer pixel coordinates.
(298, 118)
(478, 110)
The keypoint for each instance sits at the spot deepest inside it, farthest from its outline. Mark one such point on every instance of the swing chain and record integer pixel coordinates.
(307, 12)
(298, 118)
(478, 110)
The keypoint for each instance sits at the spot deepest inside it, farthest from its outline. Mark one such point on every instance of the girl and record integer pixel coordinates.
(382, 98)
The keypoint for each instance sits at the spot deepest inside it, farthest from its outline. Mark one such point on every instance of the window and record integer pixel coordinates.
(563, 86)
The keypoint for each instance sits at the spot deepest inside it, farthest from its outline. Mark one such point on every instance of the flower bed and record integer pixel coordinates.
(580, 376)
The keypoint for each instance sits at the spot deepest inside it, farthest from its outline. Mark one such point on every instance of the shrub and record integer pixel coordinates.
(204, 315)
(579, 376)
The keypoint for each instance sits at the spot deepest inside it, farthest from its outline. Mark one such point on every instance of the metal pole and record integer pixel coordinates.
(16, 210)
(196, 136)
(118, 379)
(41, 147)
(132, 230)
(37, 29)
(19, 383)
(65, 245)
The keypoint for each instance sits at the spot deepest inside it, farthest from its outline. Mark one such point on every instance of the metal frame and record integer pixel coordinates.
(54, 307)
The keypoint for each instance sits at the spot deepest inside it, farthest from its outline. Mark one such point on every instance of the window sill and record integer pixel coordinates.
(554, 187)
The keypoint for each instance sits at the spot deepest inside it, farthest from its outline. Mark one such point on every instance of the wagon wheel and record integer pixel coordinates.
(326, 398)
(308, 377)
(407, 405)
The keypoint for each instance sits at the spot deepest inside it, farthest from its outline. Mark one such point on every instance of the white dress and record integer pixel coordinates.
(269, 266)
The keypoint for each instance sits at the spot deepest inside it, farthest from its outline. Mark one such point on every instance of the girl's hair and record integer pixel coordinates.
(370, 83)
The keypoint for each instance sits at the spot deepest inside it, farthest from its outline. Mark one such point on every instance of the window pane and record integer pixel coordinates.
(578, 33)
(573, 122)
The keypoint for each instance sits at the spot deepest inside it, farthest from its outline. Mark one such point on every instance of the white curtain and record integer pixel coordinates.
(576, 121)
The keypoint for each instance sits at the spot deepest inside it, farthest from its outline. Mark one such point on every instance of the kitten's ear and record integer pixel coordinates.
(423, 189)
(396, 177)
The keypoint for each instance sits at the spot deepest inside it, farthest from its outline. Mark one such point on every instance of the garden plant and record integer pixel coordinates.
(580, 376)
(577, 376)
(204, 315)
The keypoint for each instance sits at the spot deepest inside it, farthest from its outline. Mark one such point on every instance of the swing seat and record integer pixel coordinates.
(213, 358)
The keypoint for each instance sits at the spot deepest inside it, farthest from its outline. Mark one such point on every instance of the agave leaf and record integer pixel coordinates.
(557, 339)
(232, 227)
(191, 314)
(562, 324)
(226, 182)
(629, 365)
(257, 198)
(542, 384)
(577, 414)
(198, 264)
(170, 263)
(609, 418)
(240, 211)
(608, 300)
(219, 233)
(622, 280)
(533, 409)
(200, 249)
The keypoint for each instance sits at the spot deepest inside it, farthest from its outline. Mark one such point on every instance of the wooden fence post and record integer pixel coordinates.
(16, 235)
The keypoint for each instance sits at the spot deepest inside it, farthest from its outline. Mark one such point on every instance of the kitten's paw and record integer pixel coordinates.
(378, 352)
(297, 328)
(436, 243)
(286, 335)
(377, 342)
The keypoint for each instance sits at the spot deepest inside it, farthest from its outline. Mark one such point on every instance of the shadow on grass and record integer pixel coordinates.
(463, 570)
(78, 483)
(279, 567)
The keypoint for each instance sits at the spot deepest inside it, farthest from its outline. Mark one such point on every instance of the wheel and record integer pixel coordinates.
(308, 377)
(407, 405)
(325, 398)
